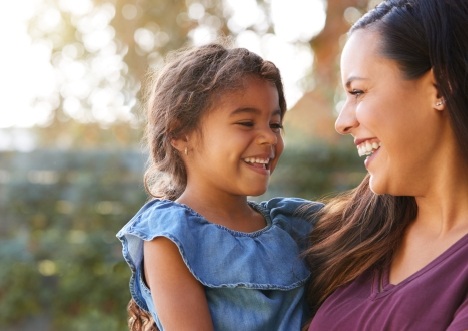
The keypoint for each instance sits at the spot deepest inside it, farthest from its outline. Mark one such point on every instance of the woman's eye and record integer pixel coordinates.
(356, 92)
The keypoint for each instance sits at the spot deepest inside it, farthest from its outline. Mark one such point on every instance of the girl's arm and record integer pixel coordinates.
(178, 297)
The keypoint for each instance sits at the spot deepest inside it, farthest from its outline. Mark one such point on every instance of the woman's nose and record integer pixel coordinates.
(346, 120)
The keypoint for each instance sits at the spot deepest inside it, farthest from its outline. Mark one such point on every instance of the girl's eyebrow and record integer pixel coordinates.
(251, 110)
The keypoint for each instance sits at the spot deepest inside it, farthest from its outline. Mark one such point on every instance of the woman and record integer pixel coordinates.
(393, 253)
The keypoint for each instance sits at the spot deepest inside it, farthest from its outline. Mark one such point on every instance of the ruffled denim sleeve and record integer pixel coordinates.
(295, 216)
(220, 258)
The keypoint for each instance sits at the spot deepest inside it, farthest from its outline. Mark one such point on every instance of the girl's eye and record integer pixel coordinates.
(246, 123)
(276, 127)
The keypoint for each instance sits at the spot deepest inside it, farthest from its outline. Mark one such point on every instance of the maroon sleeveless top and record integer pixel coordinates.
(434, 298)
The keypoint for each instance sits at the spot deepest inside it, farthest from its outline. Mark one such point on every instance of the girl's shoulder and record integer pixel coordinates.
(161, 216)
(291, 206)
(292, 210)
(165, 216)
(208, 248)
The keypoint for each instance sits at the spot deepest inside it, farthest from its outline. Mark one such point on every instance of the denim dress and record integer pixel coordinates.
(253, 281)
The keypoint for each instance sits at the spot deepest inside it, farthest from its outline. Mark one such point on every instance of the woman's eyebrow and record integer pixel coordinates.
(352, 79)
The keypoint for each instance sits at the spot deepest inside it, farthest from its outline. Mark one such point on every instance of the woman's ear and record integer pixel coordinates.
(438, 101)
(440, 104)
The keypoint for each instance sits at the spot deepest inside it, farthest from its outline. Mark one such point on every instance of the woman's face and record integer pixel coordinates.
(392, 119)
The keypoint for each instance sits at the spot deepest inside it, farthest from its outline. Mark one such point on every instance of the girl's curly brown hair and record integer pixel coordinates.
(179, 95)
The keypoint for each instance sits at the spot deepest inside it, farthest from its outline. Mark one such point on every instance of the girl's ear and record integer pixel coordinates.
(178, 144)
(181, 144)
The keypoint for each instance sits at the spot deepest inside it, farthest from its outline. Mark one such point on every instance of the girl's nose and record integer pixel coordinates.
(267, 136)
(346, 120)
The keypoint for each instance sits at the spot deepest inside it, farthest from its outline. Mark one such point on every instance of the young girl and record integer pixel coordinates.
(202, 256)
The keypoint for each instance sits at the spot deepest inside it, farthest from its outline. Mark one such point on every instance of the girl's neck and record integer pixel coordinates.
(232, 212)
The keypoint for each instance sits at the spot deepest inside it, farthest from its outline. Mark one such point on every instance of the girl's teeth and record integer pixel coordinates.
(255, 160)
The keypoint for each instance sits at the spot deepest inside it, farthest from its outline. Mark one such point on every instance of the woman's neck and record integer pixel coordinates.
(444, 207)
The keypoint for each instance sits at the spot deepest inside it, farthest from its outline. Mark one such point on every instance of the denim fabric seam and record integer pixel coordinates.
(143, 285)
(136, 296)
(140, 302)
(254, 234)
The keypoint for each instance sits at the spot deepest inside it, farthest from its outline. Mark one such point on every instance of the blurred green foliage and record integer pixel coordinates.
(61, 266)
(316, 171)
(59, 258)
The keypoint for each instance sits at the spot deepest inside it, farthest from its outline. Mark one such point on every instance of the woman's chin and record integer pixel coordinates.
(375, 187)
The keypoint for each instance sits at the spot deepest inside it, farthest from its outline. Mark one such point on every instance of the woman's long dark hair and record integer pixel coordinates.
(359, 230)
(356, 230)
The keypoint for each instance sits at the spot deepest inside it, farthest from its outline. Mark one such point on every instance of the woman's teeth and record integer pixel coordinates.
(367, 148)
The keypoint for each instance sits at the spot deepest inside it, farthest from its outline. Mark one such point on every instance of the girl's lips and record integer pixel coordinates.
(260, 168)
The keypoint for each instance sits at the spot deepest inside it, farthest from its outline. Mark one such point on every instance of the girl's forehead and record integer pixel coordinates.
(250, 92)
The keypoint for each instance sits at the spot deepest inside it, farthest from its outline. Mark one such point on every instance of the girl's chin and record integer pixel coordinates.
(257, 193)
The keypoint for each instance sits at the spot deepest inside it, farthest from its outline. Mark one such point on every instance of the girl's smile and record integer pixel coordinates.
(259, 164)
(239, 143)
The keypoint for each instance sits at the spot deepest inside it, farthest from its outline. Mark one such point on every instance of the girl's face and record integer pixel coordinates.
(392, 119)
(240, 142)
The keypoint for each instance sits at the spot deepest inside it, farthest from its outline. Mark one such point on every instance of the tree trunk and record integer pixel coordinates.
(313, 116)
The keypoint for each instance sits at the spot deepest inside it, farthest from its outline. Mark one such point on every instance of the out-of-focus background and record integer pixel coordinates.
(71, 119)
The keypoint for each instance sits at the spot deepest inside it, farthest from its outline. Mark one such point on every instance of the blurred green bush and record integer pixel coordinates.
(60, 263)
(61, 266)
(316, 171)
